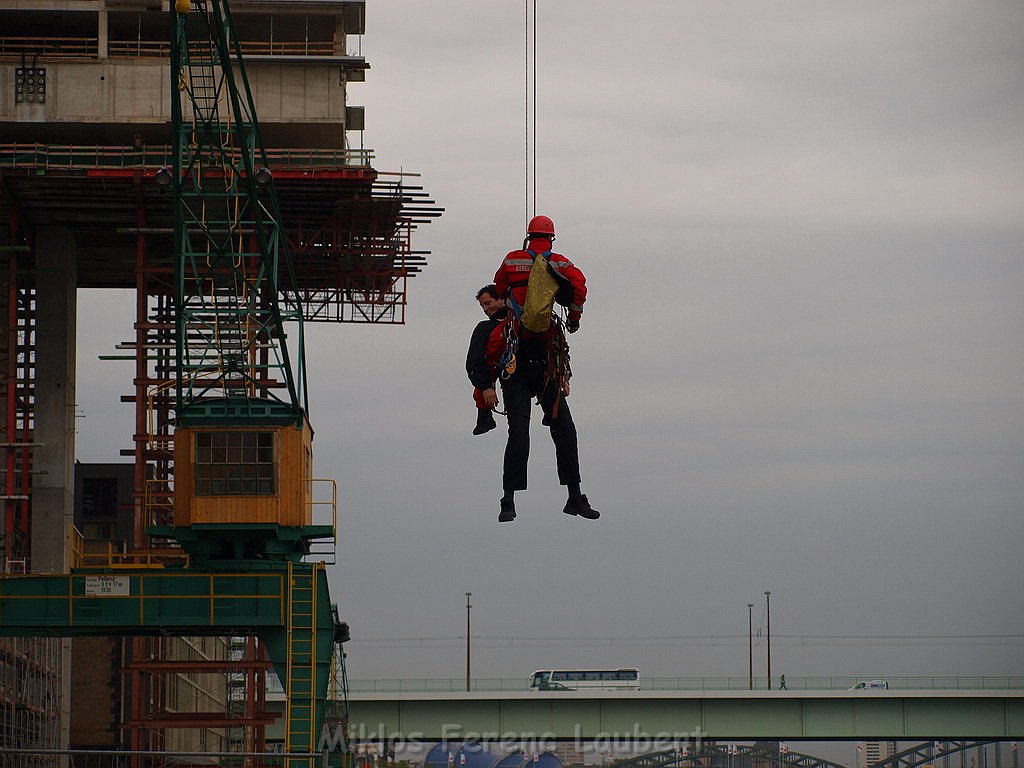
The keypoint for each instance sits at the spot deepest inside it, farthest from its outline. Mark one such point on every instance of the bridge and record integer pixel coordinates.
(681, 715)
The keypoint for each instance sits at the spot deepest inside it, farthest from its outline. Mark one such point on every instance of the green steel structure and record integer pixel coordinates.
(714, 715)
(726, 754)
(233, 364)
(932, 752)
(286, 604)
(779, 755)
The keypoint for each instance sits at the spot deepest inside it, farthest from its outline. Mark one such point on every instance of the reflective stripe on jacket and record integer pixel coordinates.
(514, 274)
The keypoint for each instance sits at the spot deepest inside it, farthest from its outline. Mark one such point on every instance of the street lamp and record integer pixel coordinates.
(768, 632)
(468, 607)
(750, 644)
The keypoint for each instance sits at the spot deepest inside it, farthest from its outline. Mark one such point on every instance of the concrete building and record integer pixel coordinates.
(871, 752)
(85, 116)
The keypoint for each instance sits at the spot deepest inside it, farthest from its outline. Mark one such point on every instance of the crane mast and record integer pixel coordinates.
(243, 483)
(233, 363)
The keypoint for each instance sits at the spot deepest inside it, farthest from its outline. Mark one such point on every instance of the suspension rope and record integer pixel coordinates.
(531, 210)
(526, 93)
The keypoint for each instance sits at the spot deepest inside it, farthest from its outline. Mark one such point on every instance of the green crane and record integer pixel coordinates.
(233, 363)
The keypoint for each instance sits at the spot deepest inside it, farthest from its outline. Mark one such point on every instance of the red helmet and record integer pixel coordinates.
(541, 225)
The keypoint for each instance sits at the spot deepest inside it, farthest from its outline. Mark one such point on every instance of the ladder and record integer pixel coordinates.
(301, 634)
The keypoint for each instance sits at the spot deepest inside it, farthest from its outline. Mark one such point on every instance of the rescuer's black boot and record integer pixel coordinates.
(484, 421)
(578, 505)
(508, 510)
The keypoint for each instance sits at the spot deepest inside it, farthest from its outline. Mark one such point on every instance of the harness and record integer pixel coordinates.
(556, 365)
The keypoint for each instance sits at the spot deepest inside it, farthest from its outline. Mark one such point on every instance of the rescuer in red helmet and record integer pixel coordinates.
(536, 364)
(514, 273)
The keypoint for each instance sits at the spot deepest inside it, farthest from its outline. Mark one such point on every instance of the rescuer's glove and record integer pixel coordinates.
(572, 325)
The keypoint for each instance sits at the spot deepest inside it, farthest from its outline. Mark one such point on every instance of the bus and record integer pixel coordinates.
(623, 679)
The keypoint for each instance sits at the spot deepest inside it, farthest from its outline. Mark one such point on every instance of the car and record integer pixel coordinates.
(554, 687)
(871, 685)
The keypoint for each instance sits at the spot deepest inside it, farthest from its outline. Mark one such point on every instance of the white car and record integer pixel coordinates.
(871, 685)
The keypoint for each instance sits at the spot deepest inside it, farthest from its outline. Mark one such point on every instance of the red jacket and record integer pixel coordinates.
(514, 274)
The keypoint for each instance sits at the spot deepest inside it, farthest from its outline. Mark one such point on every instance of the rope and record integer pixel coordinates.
(526, 93)
(530, 210)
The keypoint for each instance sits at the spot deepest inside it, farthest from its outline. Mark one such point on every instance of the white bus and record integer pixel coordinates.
(626, 679)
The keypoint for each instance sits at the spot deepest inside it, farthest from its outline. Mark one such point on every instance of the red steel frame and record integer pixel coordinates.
(19, 401)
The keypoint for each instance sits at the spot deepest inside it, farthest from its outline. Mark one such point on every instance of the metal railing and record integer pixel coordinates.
(936, 683)
(319, 509)
(88, 48)
(95, 758)
(50, 47)
(84, 553)
(65, 156)
(161, 49)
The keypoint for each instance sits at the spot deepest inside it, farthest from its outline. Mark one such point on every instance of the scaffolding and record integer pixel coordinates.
(29, 694)
(17, 394)
(30, 668)
(348, 227)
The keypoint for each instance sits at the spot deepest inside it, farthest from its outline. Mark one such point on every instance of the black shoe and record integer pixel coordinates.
(508, 511)
(484, 423)
(581, 507)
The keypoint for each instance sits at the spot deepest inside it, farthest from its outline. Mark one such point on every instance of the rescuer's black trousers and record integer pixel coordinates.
(519, 390)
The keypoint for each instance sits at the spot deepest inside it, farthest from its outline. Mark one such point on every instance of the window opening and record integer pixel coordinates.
(235, 464)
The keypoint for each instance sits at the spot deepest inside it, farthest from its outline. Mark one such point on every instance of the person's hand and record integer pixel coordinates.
(565, 388)
(572, 325)
(490, 397)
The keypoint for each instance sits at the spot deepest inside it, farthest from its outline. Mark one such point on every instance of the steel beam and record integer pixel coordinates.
(242, 598)
(771, 715)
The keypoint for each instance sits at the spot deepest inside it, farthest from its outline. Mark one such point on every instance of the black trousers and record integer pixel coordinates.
(518, 390)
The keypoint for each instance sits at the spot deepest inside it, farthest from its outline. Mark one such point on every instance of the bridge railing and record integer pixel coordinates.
(795, 683)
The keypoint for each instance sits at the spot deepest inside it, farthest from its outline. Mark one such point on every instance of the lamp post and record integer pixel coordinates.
(768, 632)
(750, 644)
(468, 607)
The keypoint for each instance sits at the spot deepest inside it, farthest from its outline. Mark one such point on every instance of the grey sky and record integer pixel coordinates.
(800, 368)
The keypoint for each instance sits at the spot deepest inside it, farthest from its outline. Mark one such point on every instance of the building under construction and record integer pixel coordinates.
(85, 144)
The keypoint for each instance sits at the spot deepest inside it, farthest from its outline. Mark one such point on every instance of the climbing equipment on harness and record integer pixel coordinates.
(558, 370)
(507, 362)
(509, 366)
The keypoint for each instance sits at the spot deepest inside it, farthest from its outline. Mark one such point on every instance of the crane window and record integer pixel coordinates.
(235, 464)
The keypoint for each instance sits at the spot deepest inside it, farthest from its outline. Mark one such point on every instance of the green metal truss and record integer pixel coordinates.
(233, 364)
(285, 604)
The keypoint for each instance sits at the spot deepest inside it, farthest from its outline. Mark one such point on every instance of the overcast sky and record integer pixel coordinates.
(800, 368)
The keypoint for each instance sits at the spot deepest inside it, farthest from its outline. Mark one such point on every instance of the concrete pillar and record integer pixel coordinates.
(102, 36)
(53, 485)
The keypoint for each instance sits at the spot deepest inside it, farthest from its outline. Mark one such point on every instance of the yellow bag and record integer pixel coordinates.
(540, 296)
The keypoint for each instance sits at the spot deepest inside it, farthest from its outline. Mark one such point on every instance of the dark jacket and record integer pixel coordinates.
(479, 368)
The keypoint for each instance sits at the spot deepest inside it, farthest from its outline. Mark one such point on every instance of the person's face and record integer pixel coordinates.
(489, 304)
